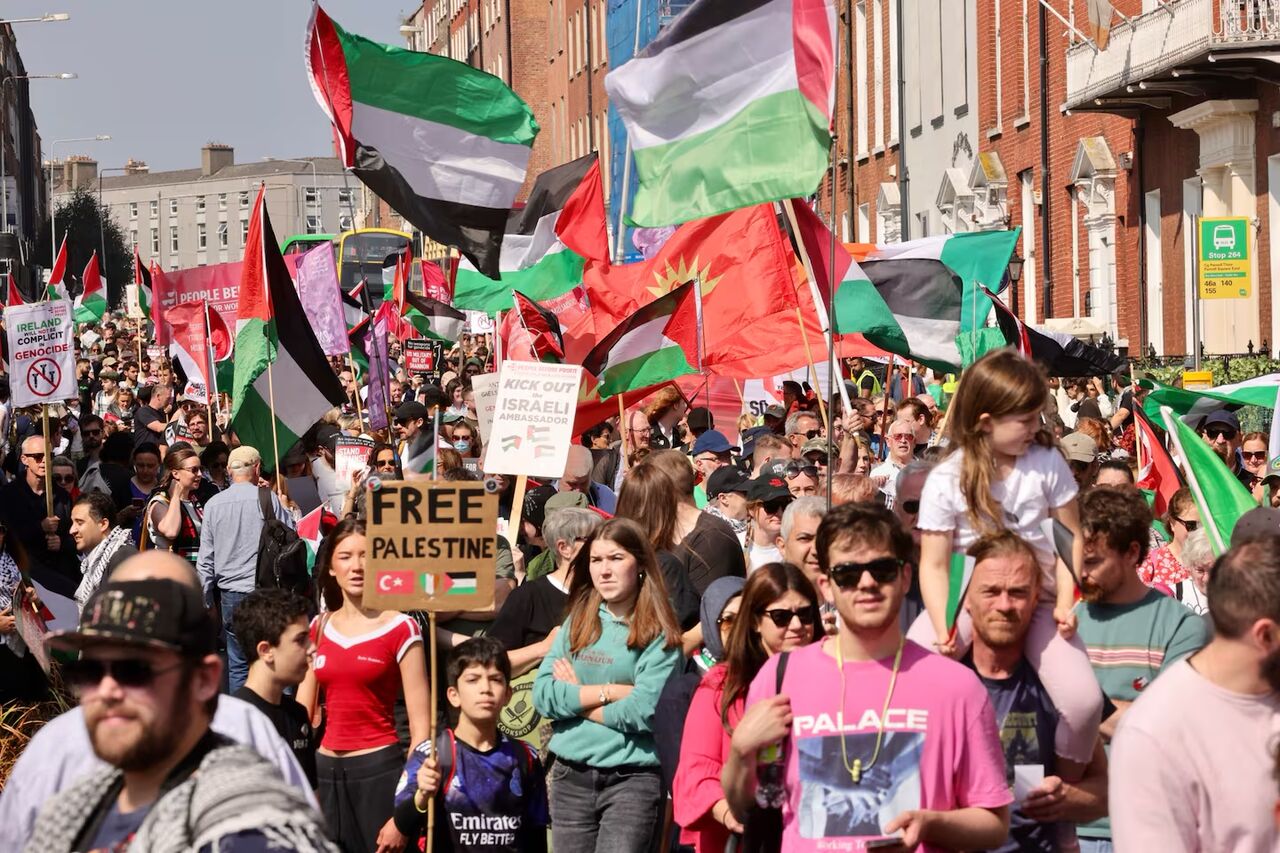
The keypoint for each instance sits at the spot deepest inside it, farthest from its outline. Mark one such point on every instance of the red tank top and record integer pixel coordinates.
(360, 678)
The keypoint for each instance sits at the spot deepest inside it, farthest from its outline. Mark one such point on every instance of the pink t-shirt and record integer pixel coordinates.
(940, 749)
(1191, 768)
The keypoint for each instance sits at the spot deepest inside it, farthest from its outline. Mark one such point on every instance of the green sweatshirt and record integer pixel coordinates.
(627, 734)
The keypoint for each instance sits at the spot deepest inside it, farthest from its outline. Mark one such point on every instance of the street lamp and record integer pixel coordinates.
(47, 18)
(314, 183)
(1015, 276)
(53, 219)
(4, 184)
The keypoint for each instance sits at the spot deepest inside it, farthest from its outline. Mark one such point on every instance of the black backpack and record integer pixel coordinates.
(282, 556)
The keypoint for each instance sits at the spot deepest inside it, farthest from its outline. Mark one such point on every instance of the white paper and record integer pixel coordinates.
(533, 424)
(1026, 778)
(42, 352)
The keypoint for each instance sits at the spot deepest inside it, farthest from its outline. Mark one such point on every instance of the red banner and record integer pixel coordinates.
(217, 284)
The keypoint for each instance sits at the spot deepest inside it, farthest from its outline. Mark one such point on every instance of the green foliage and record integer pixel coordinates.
(1225, 371)
(80, 217)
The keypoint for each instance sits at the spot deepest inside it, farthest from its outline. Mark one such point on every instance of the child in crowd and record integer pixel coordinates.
(272, 625)
(489, 789)
(1003, 472)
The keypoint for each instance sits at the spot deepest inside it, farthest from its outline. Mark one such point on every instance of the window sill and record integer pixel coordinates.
(1021, 121)
(878, 150)
(863, 156)
(995, 132)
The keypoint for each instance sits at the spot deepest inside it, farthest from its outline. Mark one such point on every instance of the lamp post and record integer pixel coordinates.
(1015, 276)
(53, 219)
(4, 182)
(39, 19)
(314, 183)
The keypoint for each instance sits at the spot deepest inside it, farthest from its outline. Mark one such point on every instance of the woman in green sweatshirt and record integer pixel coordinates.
(599, 686)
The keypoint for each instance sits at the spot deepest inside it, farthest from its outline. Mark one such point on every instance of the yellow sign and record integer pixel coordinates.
(1197, 380)
(432, 546)
(1224, 258)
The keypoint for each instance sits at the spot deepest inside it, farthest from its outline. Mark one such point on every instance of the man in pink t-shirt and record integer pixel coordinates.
(1192, 760)
(882, 739)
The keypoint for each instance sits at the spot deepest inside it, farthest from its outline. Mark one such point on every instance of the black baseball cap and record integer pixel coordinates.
(700, 419)
(327, 436)
(728, 478)
(768, 487)
(411, 410)
(156, 612)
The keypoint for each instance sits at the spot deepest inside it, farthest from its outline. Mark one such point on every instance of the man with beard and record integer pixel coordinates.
(102, 546)
(1193, 759)
(1133, 632)
(887, 739)
(1003, 592)
(147, 679)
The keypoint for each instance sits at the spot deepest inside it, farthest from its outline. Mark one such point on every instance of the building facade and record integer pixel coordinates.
(195, 217)
(23, 188)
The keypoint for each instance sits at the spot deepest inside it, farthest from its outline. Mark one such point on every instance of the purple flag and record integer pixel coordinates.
(322, 300)
(375, 343)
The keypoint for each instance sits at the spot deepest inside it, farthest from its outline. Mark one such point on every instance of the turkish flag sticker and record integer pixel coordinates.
(396, 583)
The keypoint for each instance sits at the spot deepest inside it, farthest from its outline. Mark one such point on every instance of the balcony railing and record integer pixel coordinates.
(1165, 38)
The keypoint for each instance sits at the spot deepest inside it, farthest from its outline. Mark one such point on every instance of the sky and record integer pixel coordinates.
(164, 77)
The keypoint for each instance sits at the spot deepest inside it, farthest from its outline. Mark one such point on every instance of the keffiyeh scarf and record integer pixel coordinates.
(95, 564)
(10, 581)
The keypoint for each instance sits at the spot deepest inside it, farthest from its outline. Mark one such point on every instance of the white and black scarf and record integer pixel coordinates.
(10, 595)
(95, 564)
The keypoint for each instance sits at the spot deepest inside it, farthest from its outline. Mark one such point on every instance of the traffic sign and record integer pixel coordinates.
(1225, 271)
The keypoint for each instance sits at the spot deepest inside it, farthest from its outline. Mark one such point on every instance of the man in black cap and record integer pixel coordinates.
(147, 680)
(411, 417)
(330, 490)
(727, 498)
(699, 420)
(767, 498)
(1221, 429)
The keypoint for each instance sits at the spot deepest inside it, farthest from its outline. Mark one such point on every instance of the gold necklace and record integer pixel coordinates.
(855, 769)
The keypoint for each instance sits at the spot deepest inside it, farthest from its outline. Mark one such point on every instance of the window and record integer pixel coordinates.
(877, 54)
(222, 235)
(155, 242)
(310, 195)
(861, 91)
(173, 238)
(313, 224)
(222, 201)
(133, 239)
(155, 208)
(345, 196)
(133, 210)
(202, 237)
(199, 204)
(344, 222)
(244, 231)
(173, 207)
(244, 201)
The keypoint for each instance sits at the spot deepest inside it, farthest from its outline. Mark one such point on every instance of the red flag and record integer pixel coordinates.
(814, 235)
(160, 295)
(581, 224)
(1156, 468)
(434, 283)
(14, 296)
(190, 344)
(220, 337)
(545, 337)
(91, 278)
(59, 271)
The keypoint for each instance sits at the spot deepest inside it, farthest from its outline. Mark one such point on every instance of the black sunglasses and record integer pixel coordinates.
(129, 672)
(911, 507)
(849, 575)
(1254, 454)
(776, 507)
(781, 618)
(1190, 525)
(1221, 432)
(39, 457)
(812, 433)
(794, 470)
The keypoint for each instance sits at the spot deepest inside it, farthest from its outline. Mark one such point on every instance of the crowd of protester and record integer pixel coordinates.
(938, 616)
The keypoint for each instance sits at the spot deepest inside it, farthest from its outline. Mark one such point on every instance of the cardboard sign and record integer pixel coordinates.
(154, 352)
(419, 356)
(484, 388)
(350, 455)
(478, 322)
(133, 303)
(42, 352)
(432, 546)
(533, 421)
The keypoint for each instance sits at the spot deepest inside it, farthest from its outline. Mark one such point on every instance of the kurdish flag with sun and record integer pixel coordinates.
(657, 343)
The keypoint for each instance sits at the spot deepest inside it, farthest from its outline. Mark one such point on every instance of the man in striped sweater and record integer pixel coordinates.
(1133, 632)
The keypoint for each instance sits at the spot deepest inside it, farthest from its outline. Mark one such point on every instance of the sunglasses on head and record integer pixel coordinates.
(794, 470)
(85, 673)
(1220, 432)
(782, 617)
(1191, 524)
(849, 575)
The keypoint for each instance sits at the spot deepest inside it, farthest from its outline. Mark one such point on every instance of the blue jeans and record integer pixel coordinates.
(237, 666)
(1095, 845)
(625, 802)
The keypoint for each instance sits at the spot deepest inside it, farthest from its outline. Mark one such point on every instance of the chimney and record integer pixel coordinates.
(136, 167)
(80, 172)
(215, 157)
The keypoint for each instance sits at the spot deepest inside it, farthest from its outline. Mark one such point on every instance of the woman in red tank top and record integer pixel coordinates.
(363, 659)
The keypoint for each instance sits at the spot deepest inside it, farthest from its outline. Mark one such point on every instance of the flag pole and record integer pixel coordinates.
(622, 429)
(351, 362)
(1133, 400)
(741, 399)
(48, 462)
(275, 438)
(1166, 415)
(431, 722)
(813, 369)
(210, 388)
(884, 427)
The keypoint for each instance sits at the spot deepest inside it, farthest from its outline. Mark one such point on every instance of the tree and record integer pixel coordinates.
(79, 217)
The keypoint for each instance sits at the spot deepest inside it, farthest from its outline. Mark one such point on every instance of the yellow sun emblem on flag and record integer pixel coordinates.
(674, 276)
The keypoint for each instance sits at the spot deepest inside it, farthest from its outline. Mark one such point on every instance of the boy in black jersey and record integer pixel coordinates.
(272, 627)
(489, 790)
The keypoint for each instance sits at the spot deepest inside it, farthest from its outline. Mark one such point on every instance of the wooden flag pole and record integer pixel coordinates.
(517, 510)
(275, 438)
(431, 725)
(209, 384)
(813, 371)
(622, 429)
(1137, 432)
(351, 362)
(141, 326)
(884, 412)
(48, 462)
(741, 399)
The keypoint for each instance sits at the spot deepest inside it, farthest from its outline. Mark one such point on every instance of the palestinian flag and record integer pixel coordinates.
(729, 106)
(420, 453)
(449, 583)
(536, 260)
(658, 343)
(542, 327)
(13, 296)
(1157, 472)
(91, 304)
(431, 318)
(355, 307)
(311, 532)
(1060, 353)
(272, 332)
(142, 280)
(1193, 406)
(446, 145)
(57, 288)
(1220, 497)
(929, 286)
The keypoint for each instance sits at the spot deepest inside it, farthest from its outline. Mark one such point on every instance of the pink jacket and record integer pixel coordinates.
(703, 752)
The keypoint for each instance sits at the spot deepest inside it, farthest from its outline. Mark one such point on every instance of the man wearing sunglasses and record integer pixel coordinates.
(147, 680)
(881, 739)
(1221, 429)
(801, 427)
(45, 538)
(902, 445)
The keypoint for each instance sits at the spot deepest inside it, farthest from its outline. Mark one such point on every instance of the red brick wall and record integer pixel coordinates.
(527, 64)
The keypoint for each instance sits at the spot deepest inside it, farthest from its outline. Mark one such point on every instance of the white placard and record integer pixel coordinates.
(350, 455)
(42, 352)
(478, 322)
(533, 422)
(484, 389)
(133, 303)
(1026, 778)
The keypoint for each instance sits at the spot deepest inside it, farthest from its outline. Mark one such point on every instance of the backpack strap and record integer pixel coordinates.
(782, 671)
(264, 501)
(446, 749)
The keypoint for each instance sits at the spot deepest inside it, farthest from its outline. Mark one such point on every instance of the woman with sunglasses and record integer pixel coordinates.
(174, 513)
(778, 612)
(382, 464)
(1163, 568)
(599, 686)
(1253, 453)
(365, 659)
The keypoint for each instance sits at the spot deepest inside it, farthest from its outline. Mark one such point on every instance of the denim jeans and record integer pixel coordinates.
(1095, 845)
(237, 666)
(625, 802)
